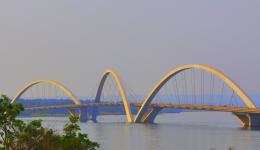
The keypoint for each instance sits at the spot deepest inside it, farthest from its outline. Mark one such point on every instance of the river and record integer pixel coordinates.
(180, 131)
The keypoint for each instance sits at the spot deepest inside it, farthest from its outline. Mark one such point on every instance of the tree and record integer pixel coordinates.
(9, 125)
(75, 140)
(17, 135)
(34, 136)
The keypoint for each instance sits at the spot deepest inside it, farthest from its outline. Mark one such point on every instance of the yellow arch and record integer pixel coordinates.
(55, 83)
(120, 88)
(175, 71)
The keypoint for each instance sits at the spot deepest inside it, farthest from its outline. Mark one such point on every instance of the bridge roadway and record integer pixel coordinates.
(158, 106)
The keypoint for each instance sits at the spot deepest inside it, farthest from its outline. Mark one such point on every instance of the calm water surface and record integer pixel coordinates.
(184, 131)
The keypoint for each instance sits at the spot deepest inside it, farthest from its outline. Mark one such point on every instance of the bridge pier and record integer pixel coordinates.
(150, 116)
(94, 114)
(249, 120)
(84, 116)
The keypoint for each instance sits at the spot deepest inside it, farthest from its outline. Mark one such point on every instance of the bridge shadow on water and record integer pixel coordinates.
(251, 128)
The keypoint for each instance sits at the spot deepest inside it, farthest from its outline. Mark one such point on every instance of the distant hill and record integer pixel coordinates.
(103, 110)
(64, 112)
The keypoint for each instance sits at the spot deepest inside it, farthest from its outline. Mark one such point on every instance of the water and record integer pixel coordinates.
(184, 131)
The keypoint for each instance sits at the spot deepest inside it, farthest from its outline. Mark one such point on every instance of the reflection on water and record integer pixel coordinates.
(184, 131)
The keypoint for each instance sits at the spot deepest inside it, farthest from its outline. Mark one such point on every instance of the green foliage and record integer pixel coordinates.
(35, 137)
(72, 127)
(9, 125)
(75, 140)
(16, 135)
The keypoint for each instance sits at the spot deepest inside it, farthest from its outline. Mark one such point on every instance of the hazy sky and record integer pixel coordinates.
(74, 41)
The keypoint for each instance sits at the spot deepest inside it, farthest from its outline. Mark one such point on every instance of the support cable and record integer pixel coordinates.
(194, 86)
(222, 93)
(231, 98)
(185, 87)
(201, 93)
(177, 90)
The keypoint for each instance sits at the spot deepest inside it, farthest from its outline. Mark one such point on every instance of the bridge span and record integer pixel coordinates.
(188, 89)
(241, 112)
(152, 106)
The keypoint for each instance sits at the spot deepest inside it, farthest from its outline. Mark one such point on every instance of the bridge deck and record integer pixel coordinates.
(178, 106)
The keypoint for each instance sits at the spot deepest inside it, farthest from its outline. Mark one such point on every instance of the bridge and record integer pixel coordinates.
(189, 87)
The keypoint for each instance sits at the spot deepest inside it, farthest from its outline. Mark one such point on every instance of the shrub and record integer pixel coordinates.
(17, 135)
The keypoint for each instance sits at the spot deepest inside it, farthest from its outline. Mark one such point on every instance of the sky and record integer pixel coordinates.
(73, 42)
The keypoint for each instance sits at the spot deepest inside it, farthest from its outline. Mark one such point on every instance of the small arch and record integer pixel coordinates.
(55, 83)
(120, 88)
